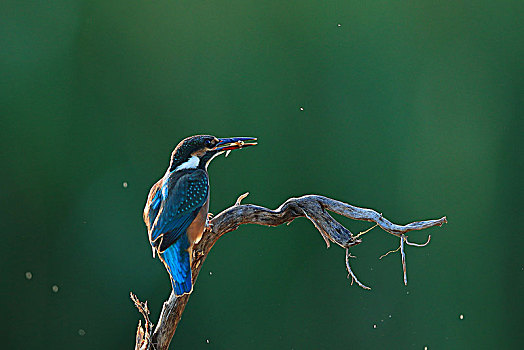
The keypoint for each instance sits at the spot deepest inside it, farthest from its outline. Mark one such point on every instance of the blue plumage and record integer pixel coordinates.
(177, 206)
(177, 262)
(175, 202)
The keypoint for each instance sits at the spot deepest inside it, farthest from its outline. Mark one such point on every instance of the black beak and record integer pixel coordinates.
(227, 144)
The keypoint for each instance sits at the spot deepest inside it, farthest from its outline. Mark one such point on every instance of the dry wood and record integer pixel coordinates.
(313, 207)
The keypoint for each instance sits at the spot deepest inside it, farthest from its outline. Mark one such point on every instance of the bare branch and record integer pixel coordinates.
(241, 197)
(404, 238)
(391, 251)
(403, 255)
(313, 207)
(142, 335)
(364, 232)
(353, 277)
(418, 245)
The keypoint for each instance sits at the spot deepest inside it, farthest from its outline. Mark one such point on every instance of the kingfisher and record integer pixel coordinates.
(176, 211)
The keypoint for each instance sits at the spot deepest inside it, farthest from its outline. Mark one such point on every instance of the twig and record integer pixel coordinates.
(241, 197)
(143, 336)
(353, 277)
(391, 251)
(403, 254)
(313, 207)
(364, 232)
(404, 238)
(418, 245)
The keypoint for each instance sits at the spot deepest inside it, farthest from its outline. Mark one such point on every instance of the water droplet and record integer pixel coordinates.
(374, 326)
(81, 332)
(301, 108)
(207, 341)
(54, 288)
(210, 273)
(461, 316)
(389, 316)
(28, 275)
(425, 348)
(339, 25)
(124, 184)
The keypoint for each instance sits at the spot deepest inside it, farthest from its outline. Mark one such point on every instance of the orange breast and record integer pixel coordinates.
(196, 229)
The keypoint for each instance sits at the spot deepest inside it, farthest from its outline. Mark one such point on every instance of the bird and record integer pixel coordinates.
(176, 210)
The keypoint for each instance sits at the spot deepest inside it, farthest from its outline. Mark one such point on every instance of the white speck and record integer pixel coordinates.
(124, 184)
(374, 326)
(301, 108)
(339, 25)
(425, 348)
(28, 275)
(389, 316)
(407, 292)
(461, 316)
(207, 341)
(210, 273)
(81, 332)
(55, 288)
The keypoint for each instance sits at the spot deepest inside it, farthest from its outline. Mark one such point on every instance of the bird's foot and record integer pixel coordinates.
(209, 225)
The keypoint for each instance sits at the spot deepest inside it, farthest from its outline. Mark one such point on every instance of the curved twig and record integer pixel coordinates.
(350, 272)
(313, 207)
(418, 244)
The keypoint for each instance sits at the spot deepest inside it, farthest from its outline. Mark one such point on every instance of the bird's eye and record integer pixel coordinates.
(208, 143)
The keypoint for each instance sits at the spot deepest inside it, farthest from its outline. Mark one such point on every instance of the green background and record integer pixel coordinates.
(411, 108)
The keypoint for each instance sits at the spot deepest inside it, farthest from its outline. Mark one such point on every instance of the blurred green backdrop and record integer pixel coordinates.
(414, 109)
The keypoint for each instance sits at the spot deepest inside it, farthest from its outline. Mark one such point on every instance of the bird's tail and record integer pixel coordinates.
(176, 260)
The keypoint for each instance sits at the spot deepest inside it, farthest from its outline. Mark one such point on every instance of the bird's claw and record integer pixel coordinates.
(209, 225)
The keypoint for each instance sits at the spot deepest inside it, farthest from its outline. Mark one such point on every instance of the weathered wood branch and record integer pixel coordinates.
(313, 207)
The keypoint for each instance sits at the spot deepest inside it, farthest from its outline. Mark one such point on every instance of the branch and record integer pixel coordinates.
(404, 238)
(313, 207)
(142, 336)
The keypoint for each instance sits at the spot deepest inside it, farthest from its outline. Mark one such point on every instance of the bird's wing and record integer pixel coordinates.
(184, 199)
(154, 199)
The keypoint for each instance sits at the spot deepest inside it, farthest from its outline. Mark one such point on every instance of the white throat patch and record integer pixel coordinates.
(191, 163)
